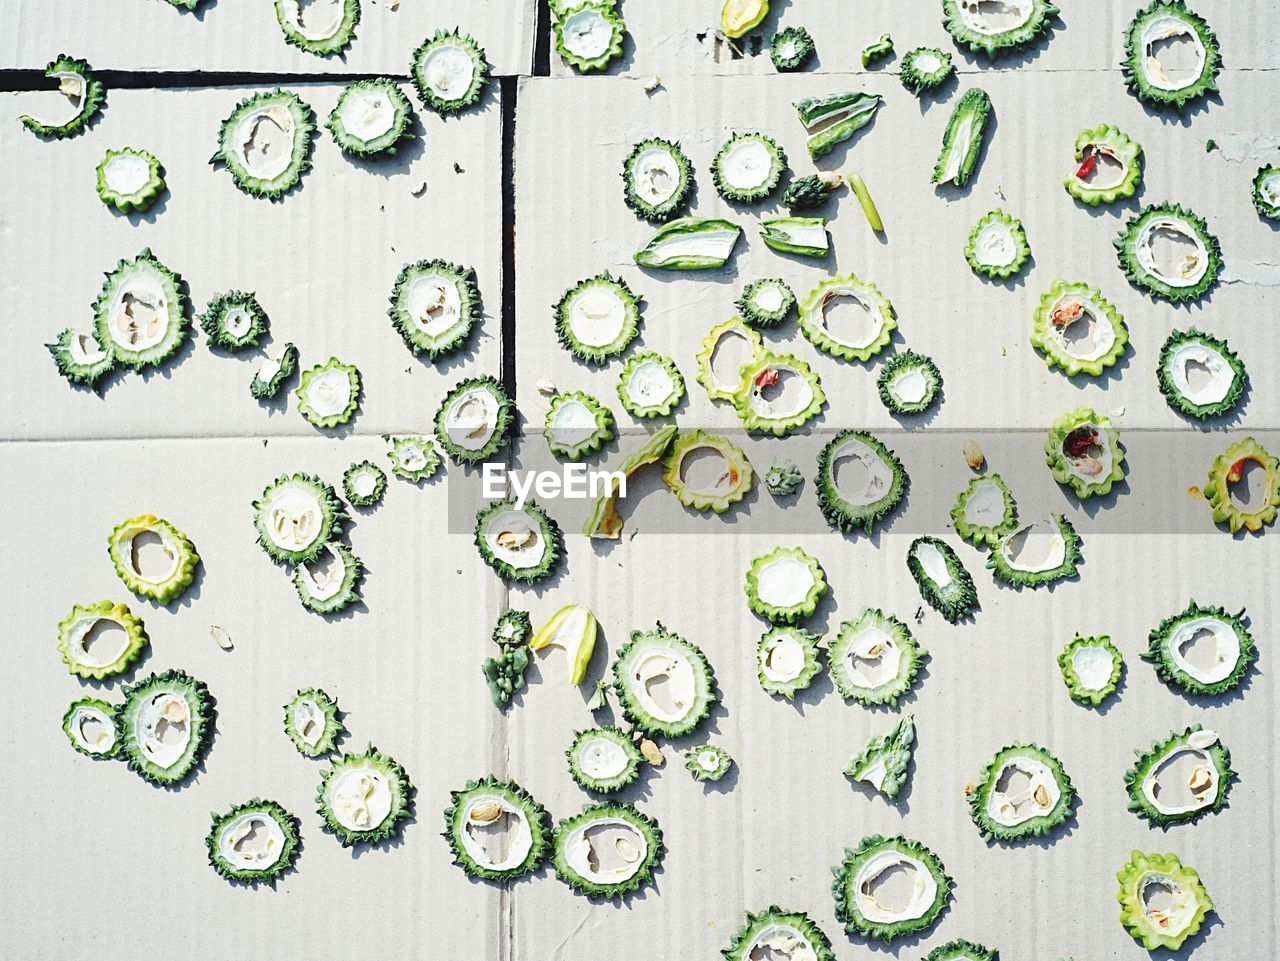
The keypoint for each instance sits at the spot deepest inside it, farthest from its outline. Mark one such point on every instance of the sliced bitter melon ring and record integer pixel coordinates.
(597, 318)
(1022, 793)
(804, 236)
(1266, 192)
(1168, 251)
(888, 888)
(371, 118)
(1041, 552)
(1091, 669)
(791, 49)
(330, 582)
(589, 34)
(874, 659)
(690, 243)
(296, 516)
(100, 640)
(658, 179)
(707, 484)
(664, 683)
(860, 481)
(1257, 505)
(364, 483)
(831, 120)
(725, 351)
(434, 306)
(778, 394)
(140, 317)
(1181, 779)
(329, 393)
(925, 68)
(650, 385)
(774, 930)
(1109, 166)
(1083, 452)
(153, 558)
(234, 321)
(884, 760)
(787, 660)
(748, 167)
(607, 851)
(577, 425)
(1078, 330)
(1202, 650)
(997, 28)
(985, 511)
(496, 829)
(710, 762)
(858, 338)
(785, 584)
(165, 725)
(1200, 376)
(85, 97)
(273, 372)
(363, 798)
(520, 543)
(266, 143)
(909, 383)
(90, 726)
(449, 71)
(322, 35)
(311, 721)
(1162, 903)
(1167, 27)
(962, 950)
(766, 302)
(474, 420)
(997, 246)
(603, 759)
(80, 358)
(942, 578)
(962, 140)
(255, 841)
(413, 458)
(129, 179)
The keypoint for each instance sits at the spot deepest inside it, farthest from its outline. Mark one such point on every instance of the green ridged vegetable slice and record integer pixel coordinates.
(1266, 192)
(809, 193)
(1200, 376)
(328, 394)
(868, 337)
(690, 243)
(779, 394)
(1083, 452)
(234, 321)
(1152, 29)
(577, 425)
(520, 543)
(774, 929)
(1169, 252)
(804, 236)
(883, 481)
(1230, 467)
(1162, 902)
(265, 143)
(658, 179)
(449, 71)
(944, 582)
(1035, 554)
(739, 17)
(876, 863)
(787, 660)
(748, 167)
(607, 851)
(1023, 793)
(413, 458)
(1109, 166)
(165, 726)
(994, 32)
(874, 52)
(1077, 329)
(372, 118)
(434, 306)
(364, 483)
(650, 385)
(605, 521)
(709, 762)
(766, 302)
(603, 759)
(588, 36)
(274, 372)
(791, 49)
(924, 69)
(1202, 650)
(80, 358)
(85, 95)
(129, 179)
(985, 511)
(312, 723)
(785, 584)
(732, 480)
(962, 140)
(140, 315)
(726, 350)
(997, 246)
(885, 759)
(961, 950)
(874, 659)
(663, 683)
(253, 842)
(330, 582)
(909, 383)
(1091, 668)
(90, 726)
(831, 120)
(497, 831)
(333, 33)
(474, 420)
(364, 798)
(296, 516)
(598, 318)
(1180, 779)
(100, 640)
(153, 558)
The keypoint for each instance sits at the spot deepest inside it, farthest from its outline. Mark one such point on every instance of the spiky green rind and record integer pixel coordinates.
(645, 825)
(1266, 192)
(347, 591)
(832, 120)
(513, 800)
(431, 98)
(157, 277)
(386, 143)
(783, 478)
(326, 713)
(502, 419)
(783, 234)
(791, 612)
(413, 458)
(738, 473)
(806, 193)
(76, 362)
(1060, 463)
(845, 889)
(182, 554)
(1168, 871)
(265, 520)
(954, 600)
(679, 196)
(1137, 57)
(1160, 650)
(362, 469)
(598, 12)
(759, 315)
(1126, 244)
(139, 199)
(1092, 696)
(1113, 142)
(886, 627)
(303, 393)
(548, 530)
(997, 44)
(1214, 353)
(916, 78)
(601, 432)
(200, 720)
(1150, 760)
(1017, 236)
(229, 152)
(768, 178)
(874, 52)
(901, 365)
(216, 321)
(282, 859)
(450, 280)
(796, 923)
(106, 714)
(658, 406)
(1003, 570)
(791, 49)
(614, 287)
(93, 98)
(984, 535)
(733, 327)
(755, 411)
(962, 950)
(812, 320)
(886, 757)
(397, 781)
(717, 237)
(628, 685)
(513, 629)
(710, 762)
(1045, 337)
(1040, 824)
(963, 139)
(617, 738)
(840, 512)
(809, 669)
(75, 658)
(1217, 490)
(344, 30)
(505, 674)
(286, 365)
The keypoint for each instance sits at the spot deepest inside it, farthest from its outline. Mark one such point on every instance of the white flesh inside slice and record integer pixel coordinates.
(1185, 780)
(804, 235)
(1092, 667)
(92, 729)
(1270, 189)
(97, 641)
(909, 386)
(85, 349)
(367, 114)
(780, 942)
(934, 563)
(992, 17)
(71, 85)
(960, 144)
(1024, 789)
(294, 516)
(1088, 336)
(573, 424)
(655, 175)
(850, 316)
(364, 482)
(786, 397)
(449, 70)
(859, 473)
(587, 34)
(1172, 251)
(329, 392)
(713, 244)
(784, 582)
(782, 658)
(472, 418)
(139, 312)
(269, 368)
(596, 316)
(1175, 57)
(996, 245)
(705, 470)
(361, 799)
(985, 506)
(872, 657)
(264, 141)
(126, 173)
(732, 350)
(927, 64)
(323, 576)
(707, 760)
(314, 19)
(1166, 903)
(1036, 547)
(664, 683)
(163, 729)
(435, 305)
(606, 850)
(1205, 648)
(413, 457)
(237, 321)
(252, 842)
(497, 843)
(515, 538)
(768, 298)
(309, 721)
(747, 166)
(893, 887)
(152, 555)
(1095, 461)
(1200, 373)
(650, 384)
(601, 758)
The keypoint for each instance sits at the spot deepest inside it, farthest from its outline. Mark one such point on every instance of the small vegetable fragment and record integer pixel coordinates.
(363, 483)
(859, 188)
(255, 841)
(779, 394)
(1035, 554)
(234, 321)
(1163, 27)
(1168, 251)
(766, 302)
(1162, 903)
(997, 29)
(577, 425)
(153, 558)
(1200, 376)
(880, 476)
(363, 798)
(874, 52)
(1109, 166)
(832, 120)
(650, 385)
(785, 584)
(413, 458)
(710, 762)
(80, 358)
(520, 543)
(884, 760)
(449, 70)
(573, 630)
(140, 316)
(889, 864)
(474, 420)
(791, 49)
(1202, 650)
(1091, 669)
(997, 246)
(1022, 793)
(944, 582)
(329, 583)
(984, 511)
(1253, 505)
(608, 850)
(329, 393)
(90, 726)
(748, 167)
(265, 143)
(598, 318)
(868, 338)
(129, 179)
(783, 478)
(690, 243)
(740, 17)
(311, 721)
(1077, 329)
(588, 35)
(806, 236)
(605, 522)
(496, 829)
(972, 454)
(332, 34)
(909, 383)
(962, 141)
(372, 118)
(1266, 192)
(658, 179)
(165, 726)
(273, 372)
(505, 673)
(809, 193)
(787, 660)
(603, 760)
(925, 68)
(100, 640)
(698, 490)
(85, 95)
(874, 659)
